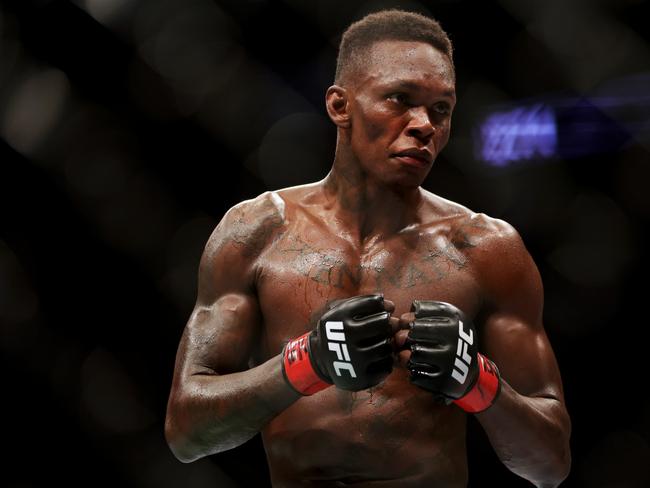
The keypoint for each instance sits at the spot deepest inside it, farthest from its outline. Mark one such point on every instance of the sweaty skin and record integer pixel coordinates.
(393, 431)
(274, 262)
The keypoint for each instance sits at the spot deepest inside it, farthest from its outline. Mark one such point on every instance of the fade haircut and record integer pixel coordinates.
(387, 25)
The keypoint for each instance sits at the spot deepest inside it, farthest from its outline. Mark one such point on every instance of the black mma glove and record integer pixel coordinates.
(445, 358)
(350, 348)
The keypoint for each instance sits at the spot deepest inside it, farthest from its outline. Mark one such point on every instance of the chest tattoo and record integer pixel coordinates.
(330, 267)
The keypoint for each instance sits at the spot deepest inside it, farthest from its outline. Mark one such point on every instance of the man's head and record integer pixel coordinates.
(393, 97)
(387, 25)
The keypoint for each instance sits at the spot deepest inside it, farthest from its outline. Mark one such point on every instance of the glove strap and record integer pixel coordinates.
(486, 389)
(298, 369)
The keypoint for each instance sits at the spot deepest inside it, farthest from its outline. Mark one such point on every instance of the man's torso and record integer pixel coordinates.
(393, 432)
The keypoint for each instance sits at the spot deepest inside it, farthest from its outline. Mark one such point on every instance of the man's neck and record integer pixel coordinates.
(367, 208)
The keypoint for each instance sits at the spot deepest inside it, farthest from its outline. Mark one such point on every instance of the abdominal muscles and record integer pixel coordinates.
(394, 431)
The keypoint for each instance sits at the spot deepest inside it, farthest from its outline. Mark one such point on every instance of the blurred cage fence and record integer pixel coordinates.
(128, 127)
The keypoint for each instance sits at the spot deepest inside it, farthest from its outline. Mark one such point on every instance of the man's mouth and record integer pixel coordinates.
(414, 157)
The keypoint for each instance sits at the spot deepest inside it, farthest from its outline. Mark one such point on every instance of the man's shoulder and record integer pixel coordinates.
(267, 206)
(467, 228)
(252, 224)
(247, 227)
(493, 246)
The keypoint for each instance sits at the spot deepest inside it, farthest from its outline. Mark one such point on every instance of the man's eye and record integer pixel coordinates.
(398, 98)
(442, 109)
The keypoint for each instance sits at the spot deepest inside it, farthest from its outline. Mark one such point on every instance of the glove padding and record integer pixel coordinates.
(350, 348)
(445, 358)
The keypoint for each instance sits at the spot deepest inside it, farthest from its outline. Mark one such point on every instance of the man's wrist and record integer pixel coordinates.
(486, 389)
(298, 369)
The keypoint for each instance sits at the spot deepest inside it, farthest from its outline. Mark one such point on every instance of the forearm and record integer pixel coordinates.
(215, 413)
(530, 435)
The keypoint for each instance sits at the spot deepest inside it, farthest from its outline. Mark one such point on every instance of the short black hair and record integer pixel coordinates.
(388, 25)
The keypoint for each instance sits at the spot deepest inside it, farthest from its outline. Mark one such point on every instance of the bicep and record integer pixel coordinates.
(223, 328)
(522, 352)
(219, 337)
(513, 335)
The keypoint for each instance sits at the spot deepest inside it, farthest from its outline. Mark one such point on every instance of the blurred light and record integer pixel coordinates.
(138, 218)
(183, 257)
(10, 50)
(597, 243)
(193, 46)
(33, 109)
(19, 305)
(627, 101)
(105, 11)
(65, 364)
(603, 121)
(190, 44)
(518, 134)
(131, 209)
(18, 302)
(244, 109)
(632, 181)
(588, 42)
(97, 174)
(574, 311)
(585, 130)
(297, 149)
(619, 459)
(110, 396)
(10, 47)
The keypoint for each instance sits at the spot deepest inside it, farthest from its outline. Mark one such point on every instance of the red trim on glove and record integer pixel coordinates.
(486, 389)
(298, 369)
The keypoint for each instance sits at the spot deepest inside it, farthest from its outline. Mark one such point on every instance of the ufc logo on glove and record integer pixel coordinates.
(349, 347)
(336, 343)
(463, 359)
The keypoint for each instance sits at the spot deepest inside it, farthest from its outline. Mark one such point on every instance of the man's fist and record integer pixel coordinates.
(444, 357)
(350, 347)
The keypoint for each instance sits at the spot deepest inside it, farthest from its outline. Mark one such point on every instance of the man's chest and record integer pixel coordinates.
(299, 275)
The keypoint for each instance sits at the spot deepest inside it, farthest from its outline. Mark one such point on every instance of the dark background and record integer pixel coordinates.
(128, 127)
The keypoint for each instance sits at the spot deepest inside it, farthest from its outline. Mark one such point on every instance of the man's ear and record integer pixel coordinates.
(336, 101)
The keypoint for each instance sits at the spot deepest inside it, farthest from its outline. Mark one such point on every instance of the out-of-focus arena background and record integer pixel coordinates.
(128, 127)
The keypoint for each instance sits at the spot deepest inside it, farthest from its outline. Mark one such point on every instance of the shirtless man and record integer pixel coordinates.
(342, 319)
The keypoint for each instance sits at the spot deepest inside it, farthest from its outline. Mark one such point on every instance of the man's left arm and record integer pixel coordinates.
(509, 377)
(528, 424)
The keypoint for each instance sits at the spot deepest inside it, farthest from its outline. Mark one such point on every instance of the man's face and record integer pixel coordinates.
(401, 102)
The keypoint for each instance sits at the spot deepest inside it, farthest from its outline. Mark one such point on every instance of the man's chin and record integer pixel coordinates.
(409, 175)
(407, 181)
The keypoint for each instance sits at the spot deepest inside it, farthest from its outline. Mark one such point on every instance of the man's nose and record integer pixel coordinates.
(420, 125)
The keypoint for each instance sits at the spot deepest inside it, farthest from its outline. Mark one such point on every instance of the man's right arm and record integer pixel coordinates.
(216, 402)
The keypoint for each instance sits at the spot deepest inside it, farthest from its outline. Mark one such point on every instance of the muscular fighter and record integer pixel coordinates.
(356, 322)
